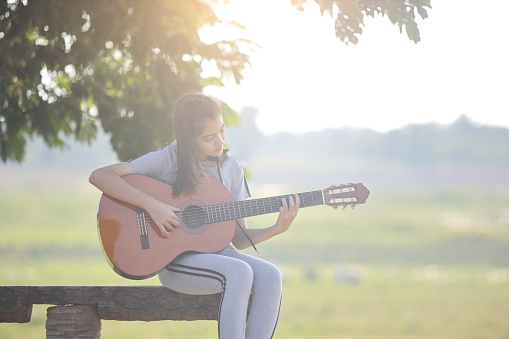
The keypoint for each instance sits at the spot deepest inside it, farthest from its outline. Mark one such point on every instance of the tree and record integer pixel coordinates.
(68, 65)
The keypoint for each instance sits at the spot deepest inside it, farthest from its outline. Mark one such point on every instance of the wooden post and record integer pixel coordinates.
(73, 321)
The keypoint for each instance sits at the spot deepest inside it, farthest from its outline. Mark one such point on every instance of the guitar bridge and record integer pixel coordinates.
(142, 228)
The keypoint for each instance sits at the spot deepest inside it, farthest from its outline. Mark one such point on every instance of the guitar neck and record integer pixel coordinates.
(254, 207)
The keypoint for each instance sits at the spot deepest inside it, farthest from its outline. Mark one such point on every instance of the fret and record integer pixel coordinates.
(231, 213)
(219, 213)
(207, 215)
(214, 213)
(211, 213)
(243, 213)
(226, 211)
(302, 198)
(250, 211)
(273, 201)
(238, 213)
(242, 210)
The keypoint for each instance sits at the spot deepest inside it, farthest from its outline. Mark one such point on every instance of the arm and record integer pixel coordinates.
(287, 214)
(109, 180)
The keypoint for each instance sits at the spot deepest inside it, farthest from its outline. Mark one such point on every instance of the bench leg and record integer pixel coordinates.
(73, 321)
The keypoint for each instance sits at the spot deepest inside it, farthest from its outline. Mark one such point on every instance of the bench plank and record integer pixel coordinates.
(124, 303)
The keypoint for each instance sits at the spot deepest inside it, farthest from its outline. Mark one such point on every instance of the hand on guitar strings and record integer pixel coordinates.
(164, 217)
(287, 212)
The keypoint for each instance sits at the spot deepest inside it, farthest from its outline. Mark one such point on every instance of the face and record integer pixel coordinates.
(211, 140)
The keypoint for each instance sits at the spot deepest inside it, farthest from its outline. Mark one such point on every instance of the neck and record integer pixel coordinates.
(249, 208)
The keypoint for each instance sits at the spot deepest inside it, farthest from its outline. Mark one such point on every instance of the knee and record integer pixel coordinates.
(269, 278)
(241, 275)
(273, 274)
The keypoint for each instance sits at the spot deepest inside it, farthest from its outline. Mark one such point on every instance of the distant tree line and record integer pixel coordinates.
(463, 141)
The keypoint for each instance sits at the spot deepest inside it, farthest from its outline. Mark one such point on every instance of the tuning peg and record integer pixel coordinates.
(353, 206)
(344, 206)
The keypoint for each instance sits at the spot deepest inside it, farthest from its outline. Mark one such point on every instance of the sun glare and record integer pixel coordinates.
(386, 81)
(230, 25)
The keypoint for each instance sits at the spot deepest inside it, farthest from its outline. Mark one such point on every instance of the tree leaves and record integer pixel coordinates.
(349, 15)
(67, 66)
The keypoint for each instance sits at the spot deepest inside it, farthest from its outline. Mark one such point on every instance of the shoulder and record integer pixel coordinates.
(234, 167)
(235, 174)
(168, 152)
(232, 162)
(156, 162)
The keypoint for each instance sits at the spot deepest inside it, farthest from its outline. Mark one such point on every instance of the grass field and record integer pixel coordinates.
(420, 262)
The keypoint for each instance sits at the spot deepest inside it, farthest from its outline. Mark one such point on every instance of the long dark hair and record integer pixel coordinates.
(190, 117)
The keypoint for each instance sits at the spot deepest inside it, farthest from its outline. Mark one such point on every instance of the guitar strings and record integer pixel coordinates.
(236, 208)
(209, 210)
(225, 211)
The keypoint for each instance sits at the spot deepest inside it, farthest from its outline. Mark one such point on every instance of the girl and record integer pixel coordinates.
(198, 151)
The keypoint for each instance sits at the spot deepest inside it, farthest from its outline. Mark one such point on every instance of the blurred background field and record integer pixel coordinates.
(422, 261)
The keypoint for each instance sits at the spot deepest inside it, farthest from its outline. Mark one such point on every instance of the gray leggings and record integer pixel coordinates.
(237, 276)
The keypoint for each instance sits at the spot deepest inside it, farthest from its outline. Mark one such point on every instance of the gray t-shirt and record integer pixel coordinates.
(162, 165)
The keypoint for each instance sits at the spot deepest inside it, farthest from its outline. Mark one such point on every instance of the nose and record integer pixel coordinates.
(220, 140)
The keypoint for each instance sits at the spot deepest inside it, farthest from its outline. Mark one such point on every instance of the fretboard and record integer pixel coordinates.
(250, 208)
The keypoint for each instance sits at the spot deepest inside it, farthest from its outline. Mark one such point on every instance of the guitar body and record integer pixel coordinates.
(133, 244)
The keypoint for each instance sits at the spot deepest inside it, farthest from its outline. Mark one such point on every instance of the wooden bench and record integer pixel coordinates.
(79, 309)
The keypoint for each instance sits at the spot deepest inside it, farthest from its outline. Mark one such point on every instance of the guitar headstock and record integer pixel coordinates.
(345, 195)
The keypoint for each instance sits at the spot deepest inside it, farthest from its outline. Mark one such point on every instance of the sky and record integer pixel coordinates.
(303, 78)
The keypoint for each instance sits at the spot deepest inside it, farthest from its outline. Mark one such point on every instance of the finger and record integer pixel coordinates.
(291, 205)
(285, 205)
(297, 200)
(170, 226)
(163, 230)
(296, 204)
(175, 221)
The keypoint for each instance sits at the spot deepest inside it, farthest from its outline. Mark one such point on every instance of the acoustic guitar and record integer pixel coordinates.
(135, 248)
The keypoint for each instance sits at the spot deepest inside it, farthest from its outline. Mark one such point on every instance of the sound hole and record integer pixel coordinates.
(194, 216)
